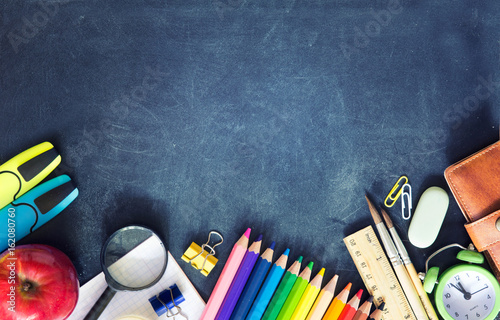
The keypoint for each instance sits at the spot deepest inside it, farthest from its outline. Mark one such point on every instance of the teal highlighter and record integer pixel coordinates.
(34, 209)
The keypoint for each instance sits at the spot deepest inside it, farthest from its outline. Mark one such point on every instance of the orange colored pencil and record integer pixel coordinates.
(364, 310)
(338, 304)
(351, 307)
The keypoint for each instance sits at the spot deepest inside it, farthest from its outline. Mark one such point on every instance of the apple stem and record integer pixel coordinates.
(26, 286)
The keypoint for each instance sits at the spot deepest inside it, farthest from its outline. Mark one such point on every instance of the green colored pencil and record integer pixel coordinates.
(296, 293)
(283, 290)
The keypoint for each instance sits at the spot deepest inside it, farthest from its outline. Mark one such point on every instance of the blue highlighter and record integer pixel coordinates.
(35, 208)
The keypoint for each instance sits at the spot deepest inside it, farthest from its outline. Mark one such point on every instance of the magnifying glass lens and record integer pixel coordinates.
(135, 257)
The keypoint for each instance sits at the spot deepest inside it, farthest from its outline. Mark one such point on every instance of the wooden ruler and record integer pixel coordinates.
(377, 274)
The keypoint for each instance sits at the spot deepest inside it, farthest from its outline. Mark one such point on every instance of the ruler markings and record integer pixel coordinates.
(377, 274)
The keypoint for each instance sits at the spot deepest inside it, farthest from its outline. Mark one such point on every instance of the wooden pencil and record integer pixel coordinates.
(270, 284)
(351, 307)
(253, 284)
(364, 310)
(338, 304)
(226, 277)
(239, 280)
(283, 291)
(321, 304)
(377, 314)
(308, 297)
(296, 293)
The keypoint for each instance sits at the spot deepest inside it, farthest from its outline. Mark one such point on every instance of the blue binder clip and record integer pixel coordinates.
(167, 300)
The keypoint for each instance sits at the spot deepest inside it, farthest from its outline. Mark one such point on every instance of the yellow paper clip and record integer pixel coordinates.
(406, 197)
(395, 192)
(201, 258)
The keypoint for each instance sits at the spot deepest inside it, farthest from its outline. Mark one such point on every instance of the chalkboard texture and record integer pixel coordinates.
(191, 116)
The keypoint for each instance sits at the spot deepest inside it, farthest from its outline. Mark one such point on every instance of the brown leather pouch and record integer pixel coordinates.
(475, 184)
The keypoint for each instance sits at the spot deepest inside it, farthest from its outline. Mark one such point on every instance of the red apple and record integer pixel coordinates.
(37, 282)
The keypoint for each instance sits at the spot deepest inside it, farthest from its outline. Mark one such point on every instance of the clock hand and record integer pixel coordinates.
(461, 289)
(485, 287)
(467, 295)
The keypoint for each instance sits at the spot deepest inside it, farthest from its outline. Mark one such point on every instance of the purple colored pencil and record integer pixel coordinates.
(239, 280)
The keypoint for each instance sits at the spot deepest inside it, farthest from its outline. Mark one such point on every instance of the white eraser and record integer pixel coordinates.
(428, 217)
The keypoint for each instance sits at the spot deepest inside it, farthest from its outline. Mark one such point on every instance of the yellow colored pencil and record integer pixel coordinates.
(338, 304)
(308, 297)
(323, 301)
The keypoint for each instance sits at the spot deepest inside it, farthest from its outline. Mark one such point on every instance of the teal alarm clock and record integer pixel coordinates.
(465, 291)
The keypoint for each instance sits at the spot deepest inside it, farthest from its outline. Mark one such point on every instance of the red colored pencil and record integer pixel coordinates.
(351, 307)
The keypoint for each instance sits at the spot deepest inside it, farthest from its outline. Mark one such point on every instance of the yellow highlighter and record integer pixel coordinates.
(26, 170)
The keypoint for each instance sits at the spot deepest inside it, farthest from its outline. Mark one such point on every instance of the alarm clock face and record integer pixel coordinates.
(467, 292)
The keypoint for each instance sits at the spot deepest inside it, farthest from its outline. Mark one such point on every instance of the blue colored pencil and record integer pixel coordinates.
(239, 280)
(253, 284)
(268, 288)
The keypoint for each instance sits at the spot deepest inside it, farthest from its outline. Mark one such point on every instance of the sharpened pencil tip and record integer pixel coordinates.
(310, 265)
(272, 245)
(247, 233)
(287, 252)
(322, 271)
(348, 287)
(370, 299)
(300, 259)
(359, 294)
(259, 238)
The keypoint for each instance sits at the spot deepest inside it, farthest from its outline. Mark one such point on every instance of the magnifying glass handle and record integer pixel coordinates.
(100, 304)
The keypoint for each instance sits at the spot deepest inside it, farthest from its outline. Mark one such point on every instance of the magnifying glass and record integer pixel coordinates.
(133, 258)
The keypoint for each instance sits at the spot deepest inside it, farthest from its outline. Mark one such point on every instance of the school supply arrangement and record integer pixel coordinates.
(251, 288)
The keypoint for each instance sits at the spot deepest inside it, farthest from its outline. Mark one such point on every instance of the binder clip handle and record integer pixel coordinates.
(211, 248)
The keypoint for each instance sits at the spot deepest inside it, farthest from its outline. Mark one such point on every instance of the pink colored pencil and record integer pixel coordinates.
(239, 281)
(226, 277)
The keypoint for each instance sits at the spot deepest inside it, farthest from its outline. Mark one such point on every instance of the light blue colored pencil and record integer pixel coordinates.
(268, 288)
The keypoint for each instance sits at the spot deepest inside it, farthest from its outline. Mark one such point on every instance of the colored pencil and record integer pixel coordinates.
(296, 293)
(377, 314)
(338, 304)
(268, 288)
(364, 310)
(351, 307)
(239, 280)
(307, 299)
(226, 277)
(323, 301)
(253, 284)
(283, 291)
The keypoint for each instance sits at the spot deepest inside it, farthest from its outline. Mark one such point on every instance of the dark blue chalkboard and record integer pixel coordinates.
(191, 116)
